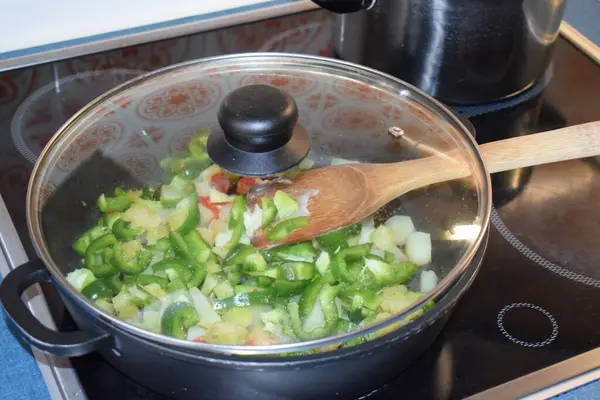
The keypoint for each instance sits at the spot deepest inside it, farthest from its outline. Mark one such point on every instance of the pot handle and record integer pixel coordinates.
(20, 318)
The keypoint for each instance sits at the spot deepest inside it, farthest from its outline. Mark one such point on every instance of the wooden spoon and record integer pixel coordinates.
(345, 194)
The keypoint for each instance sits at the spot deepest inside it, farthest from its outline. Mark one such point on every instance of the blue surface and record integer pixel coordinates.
(591, 391)
(20, 377)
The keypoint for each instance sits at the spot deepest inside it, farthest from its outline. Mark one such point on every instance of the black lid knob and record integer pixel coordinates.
(259, 135)
(258, 118)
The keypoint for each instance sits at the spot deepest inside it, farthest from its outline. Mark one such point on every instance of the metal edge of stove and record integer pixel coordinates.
(585, 45)
(573, 372)
(548, 382)
(167, 32)
(60, 378)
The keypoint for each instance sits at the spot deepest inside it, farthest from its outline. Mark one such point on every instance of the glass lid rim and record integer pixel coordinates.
(39, 174)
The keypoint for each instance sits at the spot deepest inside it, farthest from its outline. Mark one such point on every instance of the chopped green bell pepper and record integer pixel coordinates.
(97, 290)
(174, 264)
(269, 211)
(264, 281)
(303, 251)
(194, 165)
(114, 282)
(285, 228)
(144, 280)
(297, 271)
(236, 221)
(404, 271)
(285, 204)
(310, 296)
(98, 256)
(333, 240)
(81, 244)
(151, 192)
(140, 296)
(284, 288)
(340, 261)
(174, 192)
(177, 319)
(109, 219)
(327, 301)
(186, 215)
(132, 266)
(198, 275)
(197, 144)
(110, 204)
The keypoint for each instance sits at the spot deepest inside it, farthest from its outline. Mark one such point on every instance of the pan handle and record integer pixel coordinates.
(20, 318)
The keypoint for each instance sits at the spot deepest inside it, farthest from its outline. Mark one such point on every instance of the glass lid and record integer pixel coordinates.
(129, 163)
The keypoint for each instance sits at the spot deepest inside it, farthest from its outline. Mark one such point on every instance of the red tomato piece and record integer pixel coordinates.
(245, 184)
(220, 181)
(205, 202)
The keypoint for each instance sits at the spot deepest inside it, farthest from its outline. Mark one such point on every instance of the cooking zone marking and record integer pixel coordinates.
(503, 312)
(536, 258)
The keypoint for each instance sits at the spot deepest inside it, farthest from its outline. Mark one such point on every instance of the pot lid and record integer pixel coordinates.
(266, 113)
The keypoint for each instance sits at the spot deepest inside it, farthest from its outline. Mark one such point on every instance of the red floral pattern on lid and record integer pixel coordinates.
(354, 119)
(323, 101)
(108, 108)
(392, 112)
(140, 165)
(360, 91)
(99, 136)
(419, 113)
(293, 83)
(179, 101)
(222, 71)
(146, 137)
(46, 190)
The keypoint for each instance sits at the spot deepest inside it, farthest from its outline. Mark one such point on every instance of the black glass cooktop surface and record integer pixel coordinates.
(536, 299)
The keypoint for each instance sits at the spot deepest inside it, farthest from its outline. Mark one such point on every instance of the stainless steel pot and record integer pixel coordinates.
(459, 51)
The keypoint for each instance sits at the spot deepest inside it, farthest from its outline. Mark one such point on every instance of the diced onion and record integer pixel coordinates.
(366, 231)
(383, 238)
(418, 248)
(377, 252)
(195, 332)
(204, 308)
(315, 319)
(399, 255)
(223, 238)
(401, 226)
(253, 220)
(219, 197)
(427, 281)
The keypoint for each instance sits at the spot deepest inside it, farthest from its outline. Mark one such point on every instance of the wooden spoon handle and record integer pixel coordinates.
(578, 141)
(572, 142)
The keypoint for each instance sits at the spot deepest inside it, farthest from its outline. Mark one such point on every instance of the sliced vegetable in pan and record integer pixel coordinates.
(176, 259)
